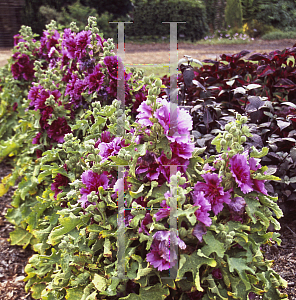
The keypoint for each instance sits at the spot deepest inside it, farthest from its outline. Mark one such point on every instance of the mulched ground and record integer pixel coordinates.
(13, 259)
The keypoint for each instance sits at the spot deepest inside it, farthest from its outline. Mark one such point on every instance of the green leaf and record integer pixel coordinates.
(192, 263)
(37, 290)
(240, 266)
(67, 224)
(216, 142)
(74, 293)
(255, 153)
(188, 213)
(20, 237)
(155, 292)
(212, 245)
(119, 161)
(100, 282)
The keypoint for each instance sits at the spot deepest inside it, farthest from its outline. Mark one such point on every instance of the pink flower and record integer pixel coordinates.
(159, 256)
(58, 129)
(241, 172)
(202, 214)
(92, 182)
(213, 192)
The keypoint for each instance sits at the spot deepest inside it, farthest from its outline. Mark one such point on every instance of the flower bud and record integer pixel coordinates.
(245, 129)
(223, 142)
(243, 139)
(102, 205)
(150, 92)
(244, 120)
(227, 127)
(158, 83)
(228, 137)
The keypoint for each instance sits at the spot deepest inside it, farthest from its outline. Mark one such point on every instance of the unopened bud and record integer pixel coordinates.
(158, 82)
(243, 139)
(227, 127)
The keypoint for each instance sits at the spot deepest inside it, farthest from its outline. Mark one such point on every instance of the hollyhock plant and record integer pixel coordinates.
(159, 255)
(23, 68)
(165, 210)
(147, 220)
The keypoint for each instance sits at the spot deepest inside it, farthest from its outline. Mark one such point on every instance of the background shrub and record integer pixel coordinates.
(278, 35)
(234, 14)
(149, 15)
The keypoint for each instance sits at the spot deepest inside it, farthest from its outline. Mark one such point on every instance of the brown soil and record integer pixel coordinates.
(13, 259)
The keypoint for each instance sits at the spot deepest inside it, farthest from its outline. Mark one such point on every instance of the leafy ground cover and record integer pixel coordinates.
(69, 187)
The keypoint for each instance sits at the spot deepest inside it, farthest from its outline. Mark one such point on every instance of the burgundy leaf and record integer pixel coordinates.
(265, 70)
(285, 83)
(258, 57)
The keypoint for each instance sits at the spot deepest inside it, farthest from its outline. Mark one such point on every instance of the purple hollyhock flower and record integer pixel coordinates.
(258, 185)
(237, 204)
(69, 43)
(82, 40)
(147, 220)
(241, 172)
(95, 80)
(202, 214)
(74, 89)
(111, 63)
(181, 125)
(45, 115)
(60, 180)
(159, 256)
(17, 39)
(217, 273)
(145, 112)
(36, 138)
(183, 150)
(49, 40)
(140, 97)
(92, 182)
(23, 68)
(14, 106)
(58, 129)
(100, 42)
(199, 230)
(112, 148)
(212, 191)
(252, 296)
(165, 211)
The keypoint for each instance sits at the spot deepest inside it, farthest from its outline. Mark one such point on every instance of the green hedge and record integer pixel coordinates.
(148, 16)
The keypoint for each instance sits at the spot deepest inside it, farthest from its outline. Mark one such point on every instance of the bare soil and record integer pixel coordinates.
(13, 259)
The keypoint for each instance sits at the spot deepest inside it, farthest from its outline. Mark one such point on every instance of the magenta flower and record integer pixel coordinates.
(237, 204)
(92, 182)
(212, 191)
(258, 185)
(82, 40)
(111, 63)
(36, 139)
(217, 273)
(69, 43)
(95, 80)
(58, 129)
(165, 211)
(60, 180)
(201, 213)
(74, 89)
(143, 227)
(199, 230)
(241, 172)
(23, 67)
(112, 148)
(145, 112)
(183, 150)
(159, 256)
(181, 126)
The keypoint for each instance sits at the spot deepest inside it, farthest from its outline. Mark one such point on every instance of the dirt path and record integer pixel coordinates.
(159, 53)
